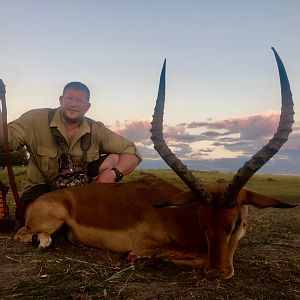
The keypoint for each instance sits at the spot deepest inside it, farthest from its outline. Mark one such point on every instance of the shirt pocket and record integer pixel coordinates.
(92, 155)
(47, 158)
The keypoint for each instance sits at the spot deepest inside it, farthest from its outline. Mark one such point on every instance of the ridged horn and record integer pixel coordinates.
(272, 147)
(164, 151)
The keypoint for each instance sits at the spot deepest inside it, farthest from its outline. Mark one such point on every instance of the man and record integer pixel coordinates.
(55, 141)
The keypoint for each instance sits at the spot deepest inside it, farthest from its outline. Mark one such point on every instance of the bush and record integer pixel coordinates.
(18, 158)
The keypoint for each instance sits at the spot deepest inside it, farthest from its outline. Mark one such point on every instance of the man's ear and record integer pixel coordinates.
(60, 99)
(183, 198)
(88, 105)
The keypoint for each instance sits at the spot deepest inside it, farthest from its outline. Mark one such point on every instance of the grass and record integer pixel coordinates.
(280, 186)
(20, 176)
(284, 187)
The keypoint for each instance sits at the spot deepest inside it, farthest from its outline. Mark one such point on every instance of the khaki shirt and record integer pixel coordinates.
(32, 130)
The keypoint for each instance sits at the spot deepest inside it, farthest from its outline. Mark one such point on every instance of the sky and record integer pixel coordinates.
(222, 85)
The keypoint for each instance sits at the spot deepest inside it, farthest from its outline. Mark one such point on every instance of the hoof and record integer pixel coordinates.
(43, 249)
(218, 274)
(35, 241)
(133, 257)
(45, 242)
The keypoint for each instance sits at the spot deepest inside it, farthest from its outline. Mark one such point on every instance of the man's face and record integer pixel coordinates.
(74, 104)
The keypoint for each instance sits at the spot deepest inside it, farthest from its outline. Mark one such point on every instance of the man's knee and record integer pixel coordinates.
(29, 196)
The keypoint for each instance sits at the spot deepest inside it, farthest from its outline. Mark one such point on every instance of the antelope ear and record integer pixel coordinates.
(262, 201)
(180, 199)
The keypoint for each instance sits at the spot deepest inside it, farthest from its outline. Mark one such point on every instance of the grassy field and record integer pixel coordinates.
(267, 262)
(280, 186)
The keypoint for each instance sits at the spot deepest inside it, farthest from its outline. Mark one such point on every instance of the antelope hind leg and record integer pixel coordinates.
(24, 235)
(44, 219)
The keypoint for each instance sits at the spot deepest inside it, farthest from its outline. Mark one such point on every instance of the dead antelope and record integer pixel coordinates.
(129, 218)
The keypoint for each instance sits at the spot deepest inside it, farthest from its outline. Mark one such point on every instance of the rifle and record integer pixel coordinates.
(4, 216)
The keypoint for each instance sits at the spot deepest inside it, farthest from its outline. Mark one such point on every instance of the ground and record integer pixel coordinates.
(267, 266)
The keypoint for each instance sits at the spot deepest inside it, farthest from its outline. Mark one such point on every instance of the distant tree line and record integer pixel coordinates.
(18, 158)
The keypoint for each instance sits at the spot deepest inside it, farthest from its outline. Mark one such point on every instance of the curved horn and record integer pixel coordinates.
(272, 147)
(167, 155)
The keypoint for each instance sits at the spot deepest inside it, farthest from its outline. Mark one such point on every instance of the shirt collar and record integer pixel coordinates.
(57, 121)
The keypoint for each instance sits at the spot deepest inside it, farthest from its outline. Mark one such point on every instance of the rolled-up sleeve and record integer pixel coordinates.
(111, 142)
(16, 136)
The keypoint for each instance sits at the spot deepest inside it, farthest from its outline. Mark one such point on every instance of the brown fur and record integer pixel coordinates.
(122, 218)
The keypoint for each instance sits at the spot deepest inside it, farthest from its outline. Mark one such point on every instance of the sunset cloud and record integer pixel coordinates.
(237, 138)
(249, 128)
(135, 131)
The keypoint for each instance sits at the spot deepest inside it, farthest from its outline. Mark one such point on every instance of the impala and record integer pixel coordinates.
(150, 217)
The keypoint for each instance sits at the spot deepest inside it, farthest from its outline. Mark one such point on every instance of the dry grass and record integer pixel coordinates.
(267, 262)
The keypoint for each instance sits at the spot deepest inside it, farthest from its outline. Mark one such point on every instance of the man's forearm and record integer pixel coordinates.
(127, 163)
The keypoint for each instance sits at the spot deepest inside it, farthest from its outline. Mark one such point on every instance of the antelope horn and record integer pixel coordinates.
(164, 151)
(272, 147)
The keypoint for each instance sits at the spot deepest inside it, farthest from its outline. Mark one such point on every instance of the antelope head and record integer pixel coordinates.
(223, 206)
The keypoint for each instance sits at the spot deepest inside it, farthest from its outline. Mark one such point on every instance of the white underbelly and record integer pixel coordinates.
(117, 241)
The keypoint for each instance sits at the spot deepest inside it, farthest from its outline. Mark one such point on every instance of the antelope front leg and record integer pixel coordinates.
(187, 258)
(175, 255)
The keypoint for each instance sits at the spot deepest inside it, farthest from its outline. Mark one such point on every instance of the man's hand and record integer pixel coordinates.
(107, 176)
(125, 163)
